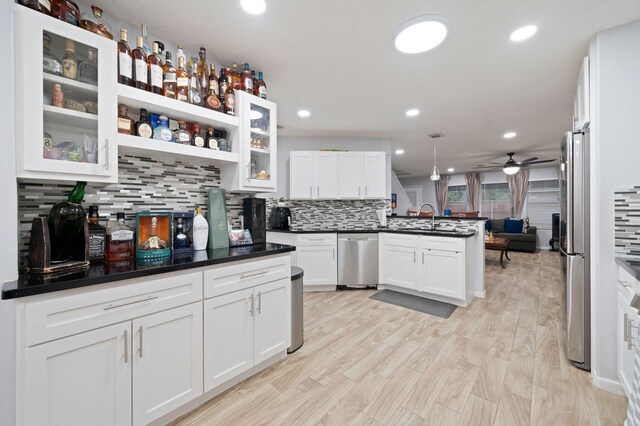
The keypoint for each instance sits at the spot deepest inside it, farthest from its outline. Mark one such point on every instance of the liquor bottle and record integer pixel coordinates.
(182, 82)
(69, 61)
(140, 73)
(212, 101)
(57, 96)
(214, 84)
(160, 50)
(153, 242)
(182, 135)
(125, 60)
(197, 139)
(43, 6)
(180, 54)
(195, 91)
(235, 77)
(211, 141)
(230, 100)
(169, 84)
(125, 123)
(223, 140)
(262, 87)
(200, 231)
(50, 63)
(155, 71)
(145, 44)
(246, 82)
(203, 72)
(67, 11)
(97, 236)
(92, 21)
(66, 222)
(88, 70)
(223, 83)
(119, 244)
(254, 80)
(143, 127)
(180, 240)
(162, 131)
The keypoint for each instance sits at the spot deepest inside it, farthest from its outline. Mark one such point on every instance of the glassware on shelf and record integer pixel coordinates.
(88, 70)
(66, 10)
(90, 149)
(50, 63)
(162, 131)
(69, 60)
(92, 21)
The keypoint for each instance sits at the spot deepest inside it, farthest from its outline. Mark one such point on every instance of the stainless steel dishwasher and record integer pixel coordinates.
(357, 260)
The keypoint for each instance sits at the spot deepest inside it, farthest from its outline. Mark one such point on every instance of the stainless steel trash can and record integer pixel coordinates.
(297, 322)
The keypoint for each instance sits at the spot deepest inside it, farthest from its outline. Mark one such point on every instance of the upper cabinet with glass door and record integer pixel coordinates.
(66, 104)
(258, 143)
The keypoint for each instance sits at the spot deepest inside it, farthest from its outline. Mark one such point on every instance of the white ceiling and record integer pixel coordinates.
(336, 58)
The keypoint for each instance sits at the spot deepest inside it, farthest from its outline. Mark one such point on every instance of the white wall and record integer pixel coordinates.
(428, 189)
(286, 145)
(615, 150)
(8, 219)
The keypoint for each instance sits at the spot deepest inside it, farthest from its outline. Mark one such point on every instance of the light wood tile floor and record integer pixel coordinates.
(498, 362)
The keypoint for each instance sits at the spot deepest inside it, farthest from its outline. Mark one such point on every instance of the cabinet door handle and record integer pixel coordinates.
(253, 275)
(248, 172)
(140, 341)
(366, 190)
(334, 253)
(414, 256)
(626, 327)
(318, 191)
(119, 305)
(630, 342)
(251, 303)
(358, 191)
(106, 154)
(422, 257)
(126, 346)
(624, 284)
(259, 302)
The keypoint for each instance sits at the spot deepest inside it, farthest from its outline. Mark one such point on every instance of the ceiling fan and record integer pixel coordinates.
(512, 166)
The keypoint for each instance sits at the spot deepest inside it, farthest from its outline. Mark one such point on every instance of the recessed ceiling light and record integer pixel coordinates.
(510, 135)
(523, 33)
(451, 169)
(421, 34)
(254, 7)
(304, 113)
(399, 151)
(412, 112)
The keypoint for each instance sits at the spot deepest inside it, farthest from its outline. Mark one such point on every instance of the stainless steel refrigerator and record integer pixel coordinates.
(574, 245)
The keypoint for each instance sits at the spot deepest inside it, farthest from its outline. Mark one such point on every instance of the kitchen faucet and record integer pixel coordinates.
(433, 214)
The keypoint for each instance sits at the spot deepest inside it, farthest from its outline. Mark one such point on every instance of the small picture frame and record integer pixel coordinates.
(240, 237)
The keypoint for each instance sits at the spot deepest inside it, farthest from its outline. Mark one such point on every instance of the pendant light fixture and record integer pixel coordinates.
(435, 174)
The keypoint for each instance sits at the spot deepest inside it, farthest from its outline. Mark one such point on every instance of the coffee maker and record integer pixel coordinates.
(280, 218)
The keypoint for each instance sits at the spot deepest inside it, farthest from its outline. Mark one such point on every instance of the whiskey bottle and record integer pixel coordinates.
(223, 83)
(182, 135)
(235, 77)
(155, 71)
(119, 245)
(140, 73)
(212, 101)
(160, 50)
(50, 63)
(246, 82)
(203, 72)
(214, 84)
(88, 70)
(153, 242)
(195, 91)
(254, 81)
(180, 240)
(143, 127)
(125, 60)
(69, 61)
(43, 6)
(180, 54)
(230, 100)
(182, 82)
(211, 142)
(262, 87)
(162, 131)
(125, 123)
(197, 139)
(169, 84)
(97, 236)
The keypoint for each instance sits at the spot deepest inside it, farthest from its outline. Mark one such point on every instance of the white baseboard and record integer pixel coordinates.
(481, 294)
(609, 385)
(543, 247)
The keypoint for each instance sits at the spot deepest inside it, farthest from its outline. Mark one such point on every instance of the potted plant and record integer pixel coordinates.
(281, 202)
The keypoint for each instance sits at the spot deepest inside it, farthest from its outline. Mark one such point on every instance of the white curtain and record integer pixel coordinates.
(473, 190)
(442, 188)
(518, 186)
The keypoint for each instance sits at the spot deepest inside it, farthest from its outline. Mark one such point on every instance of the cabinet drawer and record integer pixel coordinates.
(316, 239)
(441, 243)
(403, 240)
(245, 274)
(67, 315)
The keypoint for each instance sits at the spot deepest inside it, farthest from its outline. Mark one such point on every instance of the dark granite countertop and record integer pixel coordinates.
(438, 217)
(104, 273)
(631, 265)
(438, 233)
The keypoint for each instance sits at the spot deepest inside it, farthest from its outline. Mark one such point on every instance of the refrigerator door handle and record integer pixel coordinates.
(575, 308)
(569, 201)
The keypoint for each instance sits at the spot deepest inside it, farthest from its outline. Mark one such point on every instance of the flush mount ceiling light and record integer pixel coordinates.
(304, 113)
(254, 7)
(523, 33)
(412, 112)
(421, 34)
(399, 151)
(451, 169)
(510, 135)
(435, 173)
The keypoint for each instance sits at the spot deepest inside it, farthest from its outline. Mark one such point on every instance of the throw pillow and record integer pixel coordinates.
(487, 226)
(497, 225)
(525, 225)
(513, 226)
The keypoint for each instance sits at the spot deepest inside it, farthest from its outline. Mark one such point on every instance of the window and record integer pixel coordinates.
(457, 198)
(543, 199)
(496, 200)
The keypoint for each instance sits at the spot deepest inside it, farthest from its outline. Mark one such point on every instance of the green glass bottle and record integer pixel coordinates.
(66, 227)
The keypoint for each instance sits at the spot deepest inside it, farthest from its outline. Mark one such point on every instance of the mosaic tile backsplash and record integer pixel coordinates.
(143, 184)
(627, 222)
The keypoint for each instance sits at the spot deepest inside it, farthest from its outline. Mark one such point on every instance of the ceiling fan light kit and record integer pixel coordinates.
(511, 170)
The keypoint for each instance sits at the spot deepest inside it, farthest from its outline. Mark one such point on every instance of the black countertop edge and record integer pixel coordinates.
(438, 217)
(631, 265)
(464, 234)
(99, 274)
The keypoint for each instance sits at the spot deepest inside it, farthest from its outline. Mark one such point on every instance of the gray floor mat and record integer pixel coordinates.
(420, 304)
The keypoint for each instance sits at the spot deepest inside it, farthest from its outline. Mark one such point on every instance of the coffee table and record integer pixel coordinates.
(499, 243)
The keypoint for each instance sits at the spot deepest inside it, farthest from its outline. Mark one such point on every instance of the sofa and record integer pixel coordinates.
(518, 241)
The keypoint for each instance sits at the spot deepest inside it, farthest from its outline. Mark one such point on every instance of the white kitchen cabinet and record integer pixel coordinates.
(581, 101)
(167, 361)
(313, 175)
(374, 174)
(79, 145)
(316, 254)
(442, 273)
(325, 175)
(271, 320)
(301, 175)
(80, 380)
(627, 332)
(351, 174)
(400, 266)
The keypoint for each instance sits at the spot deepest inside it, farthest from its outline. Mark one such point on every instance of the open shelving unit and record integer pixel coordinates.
(136, 144)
